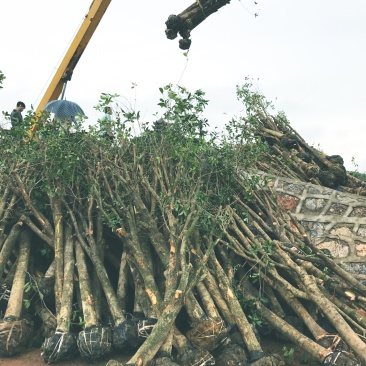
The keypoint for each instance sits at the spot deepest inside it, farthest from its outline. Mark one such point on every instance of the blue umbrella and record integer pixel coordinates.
(63, 109)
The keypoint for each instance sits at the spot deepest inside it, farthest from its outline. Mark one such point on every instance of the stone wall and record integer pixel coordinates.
(334, 220)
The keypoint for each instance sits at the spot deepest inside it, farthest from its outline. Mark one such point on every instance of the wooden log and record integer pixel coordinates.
(190, 18)
(15, 331)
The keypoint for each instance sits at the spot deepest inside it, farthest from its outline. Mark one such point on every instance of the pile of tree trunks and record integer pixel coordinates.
(295, 158)
(162, 247)
(287, 154)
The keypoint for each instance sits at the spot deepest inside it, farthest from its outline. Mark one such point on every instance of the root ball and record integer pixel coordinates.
(125, 335)
(231, 355)
(164, 361)
(14, 335)
(208, 334)
(95, 342)
(194, 357)
(60, 346)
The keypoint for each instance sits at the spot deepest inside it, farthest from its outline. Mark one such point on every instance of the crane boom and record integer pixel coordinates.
(74, 52)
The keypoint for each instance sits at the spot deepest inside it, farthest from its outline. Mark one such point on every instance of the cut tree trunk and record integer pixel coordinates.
(15, 331)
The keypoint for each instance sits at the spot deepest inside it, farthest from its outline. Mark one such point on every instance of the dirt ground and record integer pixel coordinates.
(32, 357)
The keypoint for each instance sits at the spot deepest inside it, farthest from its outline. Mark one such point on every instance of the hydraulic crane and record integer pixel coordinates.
(73, 54)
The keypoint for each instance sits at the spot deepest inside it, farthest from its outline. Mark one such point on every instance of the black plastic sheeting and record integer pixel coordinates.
(95, 342)
(14, 335)
(60, 346)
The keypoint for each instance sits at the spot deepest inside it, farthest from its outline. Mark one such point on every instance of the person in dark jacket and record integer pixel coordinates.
(16, 117)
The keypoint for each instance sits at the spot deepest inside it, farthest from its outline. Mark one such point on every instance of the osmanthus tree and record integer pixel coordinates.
(164, 245)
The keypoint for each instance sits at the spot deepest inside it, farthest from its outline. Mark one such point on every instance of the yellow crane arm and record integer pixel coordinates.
(73, 54)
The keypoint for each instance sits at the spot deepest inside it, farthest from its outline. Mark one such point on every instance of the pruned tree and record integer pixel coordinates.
(187, 249)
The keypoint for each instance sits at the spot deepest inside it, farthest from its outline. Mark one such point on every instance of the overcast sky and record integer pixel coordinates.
(309, 58)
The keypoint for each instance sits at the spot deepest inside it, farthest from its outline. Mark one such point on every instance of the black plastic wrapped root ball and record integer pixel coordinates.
(95, 342)
(208, 333)
(194, 356)
(185, 43)
(14, 335)
(163, 361)
(174, 22)
(60, 346)
(144, 328)
(125, 335)
(231, 355)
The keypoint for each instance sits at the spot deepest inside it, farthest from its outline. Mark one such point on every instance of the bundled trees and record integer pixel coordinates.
(164, 246)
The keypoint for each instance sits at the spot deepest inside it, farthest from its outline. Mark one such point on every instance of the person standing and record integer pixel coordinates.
(16, 117)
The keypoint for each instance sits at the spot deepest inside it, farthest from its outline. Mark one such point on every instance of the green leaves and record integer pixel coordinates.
(288, 354)
(2, 78)
(183, 109)
(105, 99)
(191, 168)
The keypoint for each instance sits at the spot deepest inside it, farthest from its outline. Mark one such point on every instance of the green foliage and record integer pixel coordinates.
(31, 292)
(2, 78)
(266, 246)
(256, 319)
(288, 355)
(46, 251)
(200, 168)
(26, 303)
(184, 110)
(250, 307)
(193, 171)
(77, 317)
(119, 119)
(253, 101)
(358, 175)
(264, 251)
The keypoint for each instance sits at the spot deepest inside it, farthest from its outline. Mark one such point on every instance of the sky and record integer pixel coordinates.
(307, 57)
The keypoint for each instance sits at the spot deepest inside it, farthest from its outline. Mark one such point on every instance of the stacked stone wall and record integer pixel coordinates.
(334, 220)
